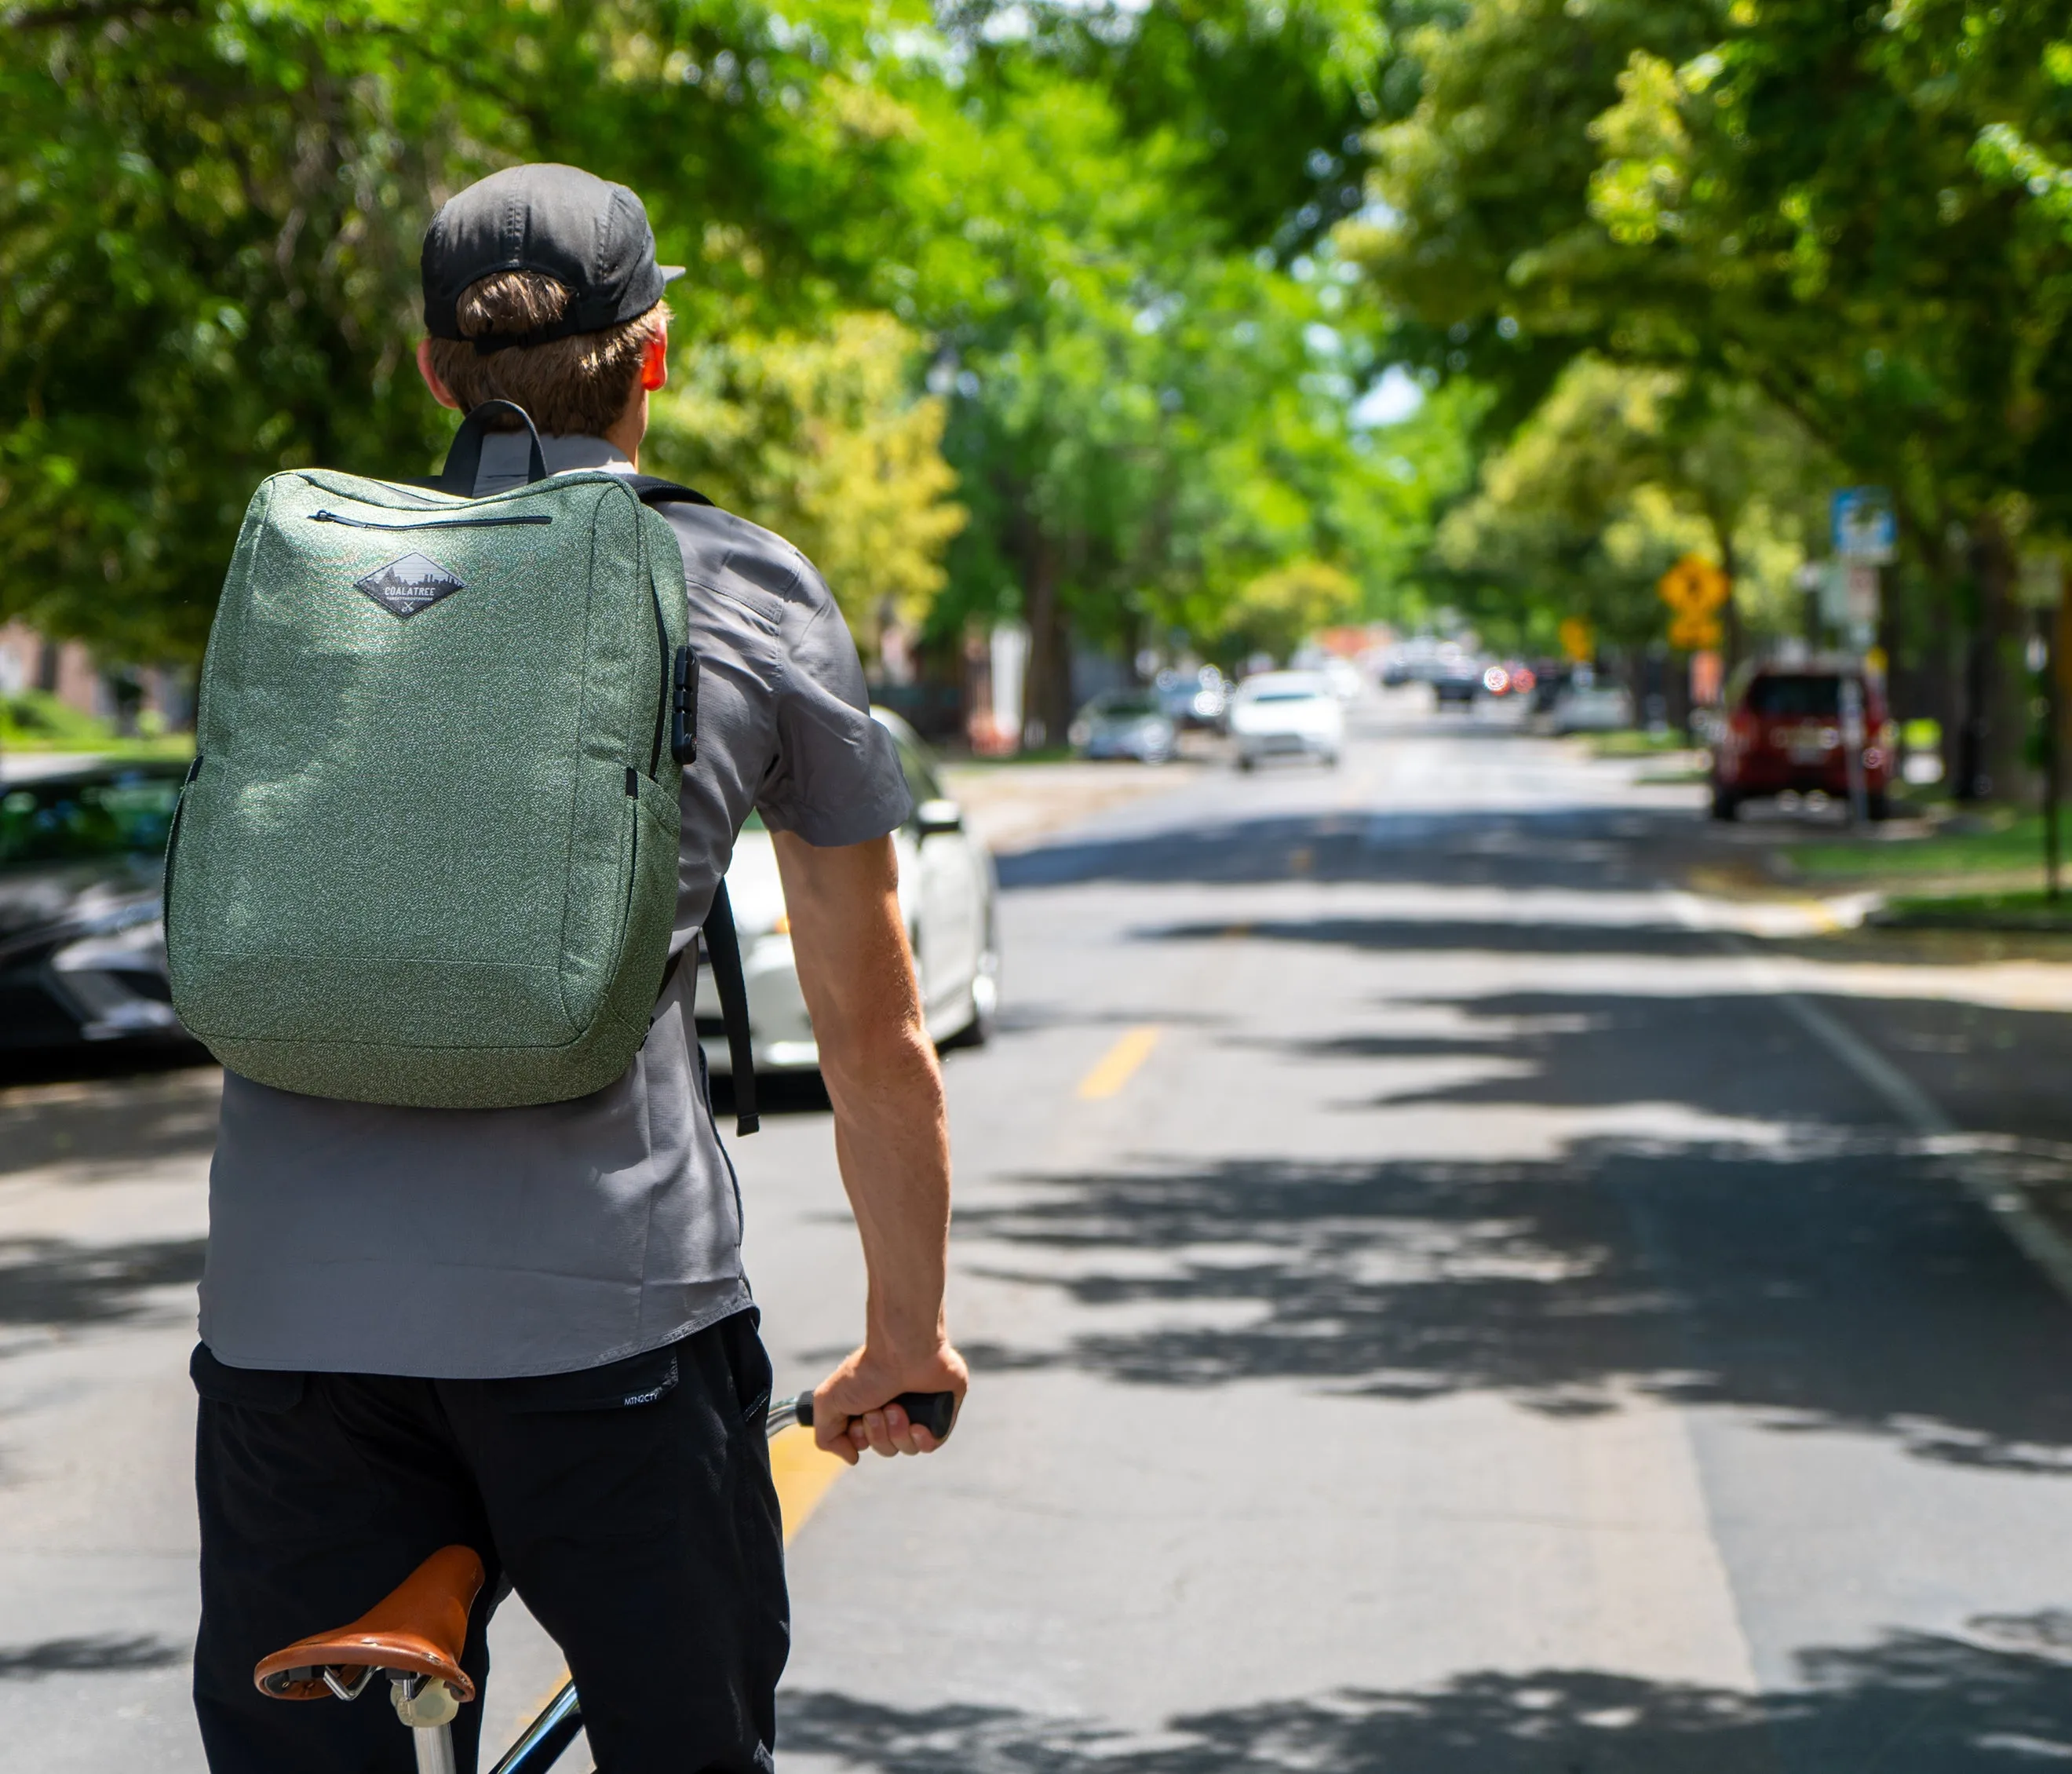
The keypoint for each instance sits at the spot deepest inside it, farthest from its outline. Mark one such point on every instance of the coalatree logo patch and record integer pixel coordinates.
(405, 586)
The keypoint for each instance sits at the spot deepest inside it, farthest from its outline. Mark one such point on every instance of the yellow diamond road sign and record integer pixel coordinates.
(1694, 587)
(1690, 634)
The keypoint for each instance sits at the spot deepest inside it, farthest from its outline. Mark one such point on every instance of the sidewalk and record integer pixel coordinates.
(1011, 805)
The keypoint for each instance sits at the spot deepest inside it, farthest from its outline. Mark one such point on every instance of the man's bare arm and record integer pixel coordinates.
(891, 1134)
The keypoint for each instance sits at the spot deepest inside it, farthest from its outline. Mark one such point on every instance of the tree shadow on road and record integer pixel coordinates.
(1570, 847)
(103, 1122)
(53, 1281)
(1651, 939)
(1843, 1283)
(1915, 1703)
(1728, 1054)
(104, 1653)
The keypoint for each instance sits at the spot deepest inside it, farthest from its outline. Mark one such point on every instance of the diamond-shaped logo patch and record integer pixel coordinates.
(405, 586)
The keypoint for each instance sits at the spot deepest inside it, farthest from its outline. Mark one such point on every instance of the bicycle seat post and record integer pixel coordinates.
(429, 1708)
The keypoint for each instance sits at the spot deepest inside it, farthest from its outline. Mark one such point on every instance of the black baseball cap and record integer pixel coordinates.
(582, 231)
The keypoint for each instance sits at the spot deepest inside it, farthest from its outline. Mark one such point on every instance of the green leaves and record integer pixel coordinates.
(209, 222)
(1074, 254)
(1861, 217)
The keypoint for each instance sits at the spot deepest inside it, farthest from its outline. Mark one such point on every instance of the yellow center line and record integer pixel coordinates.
(803, 1471)
(1119, 1064)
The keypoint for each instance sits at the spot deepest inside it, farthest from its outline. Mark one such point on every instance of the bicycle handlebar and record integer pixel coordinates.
(935, 1411)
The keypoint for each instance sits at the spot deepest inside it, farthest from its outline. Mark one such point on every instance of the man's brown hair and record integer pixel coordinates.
(573, 387)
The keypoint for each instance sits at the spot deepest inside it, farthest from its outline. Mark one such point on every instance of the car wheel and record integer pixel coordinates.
(1726, 804)
(1246, 761)
(983, 997)
(1877, 805)
(1329, 760)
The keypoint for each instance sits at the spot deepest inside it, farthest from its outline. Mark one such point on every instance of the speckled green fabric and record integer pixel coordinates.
(430, 855)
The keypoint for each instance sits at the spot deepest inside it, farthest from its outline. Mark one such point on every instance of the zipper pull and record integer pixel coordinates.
(683, 728)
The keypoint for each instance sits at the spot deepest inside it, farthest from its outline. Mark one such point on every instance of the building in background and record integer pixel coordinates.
(67, 671)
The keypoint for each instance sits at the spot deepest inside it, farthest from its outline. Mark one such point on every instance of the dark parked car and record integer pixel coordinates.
(82, 939)
(1194, 699)
(1458, 680)
(1786, 731)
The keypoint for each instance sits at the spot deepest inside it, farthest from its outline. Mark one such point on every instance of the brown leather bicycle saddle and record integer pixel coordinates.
(418, 1627)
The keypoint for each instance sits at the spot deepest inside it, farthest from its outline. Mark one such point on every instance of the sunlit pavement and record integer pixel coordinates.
(1441, 1298)
(1482, 1328)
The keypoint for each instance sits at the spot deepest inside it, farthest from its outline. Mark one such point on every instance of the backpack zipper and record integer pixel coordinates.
(173, 839)
(633, 861)
(433, 522)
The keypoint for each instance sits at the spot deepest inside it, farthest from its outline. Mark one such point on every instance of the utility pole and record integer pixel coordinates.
(2042, 588)
(2047, 621)
(1865, 535)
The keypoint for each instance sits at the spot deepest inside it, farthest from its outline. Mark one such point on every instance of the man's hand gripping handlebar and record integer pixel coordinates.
(903, 1407)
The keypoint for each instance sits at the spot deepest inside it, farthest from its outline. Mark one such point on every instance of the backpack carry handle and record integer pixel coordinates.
(464, 459)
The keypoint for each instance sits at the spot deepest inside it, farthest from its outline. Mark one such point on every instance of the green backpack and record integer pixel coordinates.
(426, 855)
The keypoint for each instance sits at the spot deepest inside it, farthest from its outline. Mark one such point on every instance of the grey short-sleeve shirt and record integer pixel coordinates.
(482, 1244)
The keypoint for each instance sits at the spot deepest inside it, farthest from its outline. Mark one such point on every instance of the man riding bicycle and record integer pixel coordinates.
(526, 1330)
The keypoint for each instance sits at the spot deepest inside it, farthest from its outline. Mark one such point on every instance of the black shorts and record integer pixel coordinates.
(631, 1506)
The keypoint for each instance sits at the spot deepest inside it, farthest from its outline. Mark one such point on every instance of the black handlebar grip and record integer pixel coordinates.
(934, 1411)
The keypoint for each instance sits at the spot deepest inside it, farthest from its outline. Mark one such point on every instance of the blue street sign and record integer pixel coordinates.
(1863, 526)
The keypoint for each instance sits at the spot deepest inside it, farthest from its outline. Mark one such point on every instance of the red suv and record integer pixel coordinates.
(1785, 731)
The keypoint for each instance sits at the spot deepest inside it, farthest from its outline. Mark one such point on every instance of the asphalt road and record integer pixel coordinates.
(1436, 1302)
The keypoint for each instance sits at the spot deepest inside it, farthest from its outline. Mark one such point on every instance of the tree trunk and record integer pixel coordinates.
(2062, 658)
(1989, 738)
(1047, 697)
(1947, 665)
(1733, 639)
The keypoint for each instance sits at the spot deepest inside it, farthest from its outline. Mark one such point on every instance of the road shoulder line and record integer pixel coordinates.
(1915, 1110)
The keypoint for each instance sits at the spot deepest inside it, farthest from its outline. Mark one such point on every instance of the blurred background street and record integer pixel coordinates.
(1446, 1288)
(1471, 596)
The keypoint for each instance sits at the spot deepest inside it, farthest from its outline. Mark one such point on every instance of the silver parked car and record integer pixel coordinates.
(947, 889)
(1125, 724)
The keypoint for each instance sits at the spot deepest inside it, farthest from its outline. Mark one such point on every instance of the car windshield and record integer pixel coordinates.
(1127, 708)
(1296, 695)
(1779, 697)
(69, 821)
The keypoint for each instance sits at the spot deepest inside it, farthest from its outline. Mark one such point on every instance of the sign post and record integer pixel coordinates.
(1865, 534)
(1695, 590)
(1864, 530)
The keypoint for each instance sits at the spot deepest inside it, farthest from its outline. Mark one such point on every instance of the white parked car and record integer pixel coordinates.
(947, 887)
(1345, 679)
(1286, 715)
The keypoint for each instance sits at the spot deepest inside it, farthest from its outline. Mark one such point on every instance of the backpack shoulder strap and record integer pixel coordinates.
(722, 948)
(722, 944)
(653, 491)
